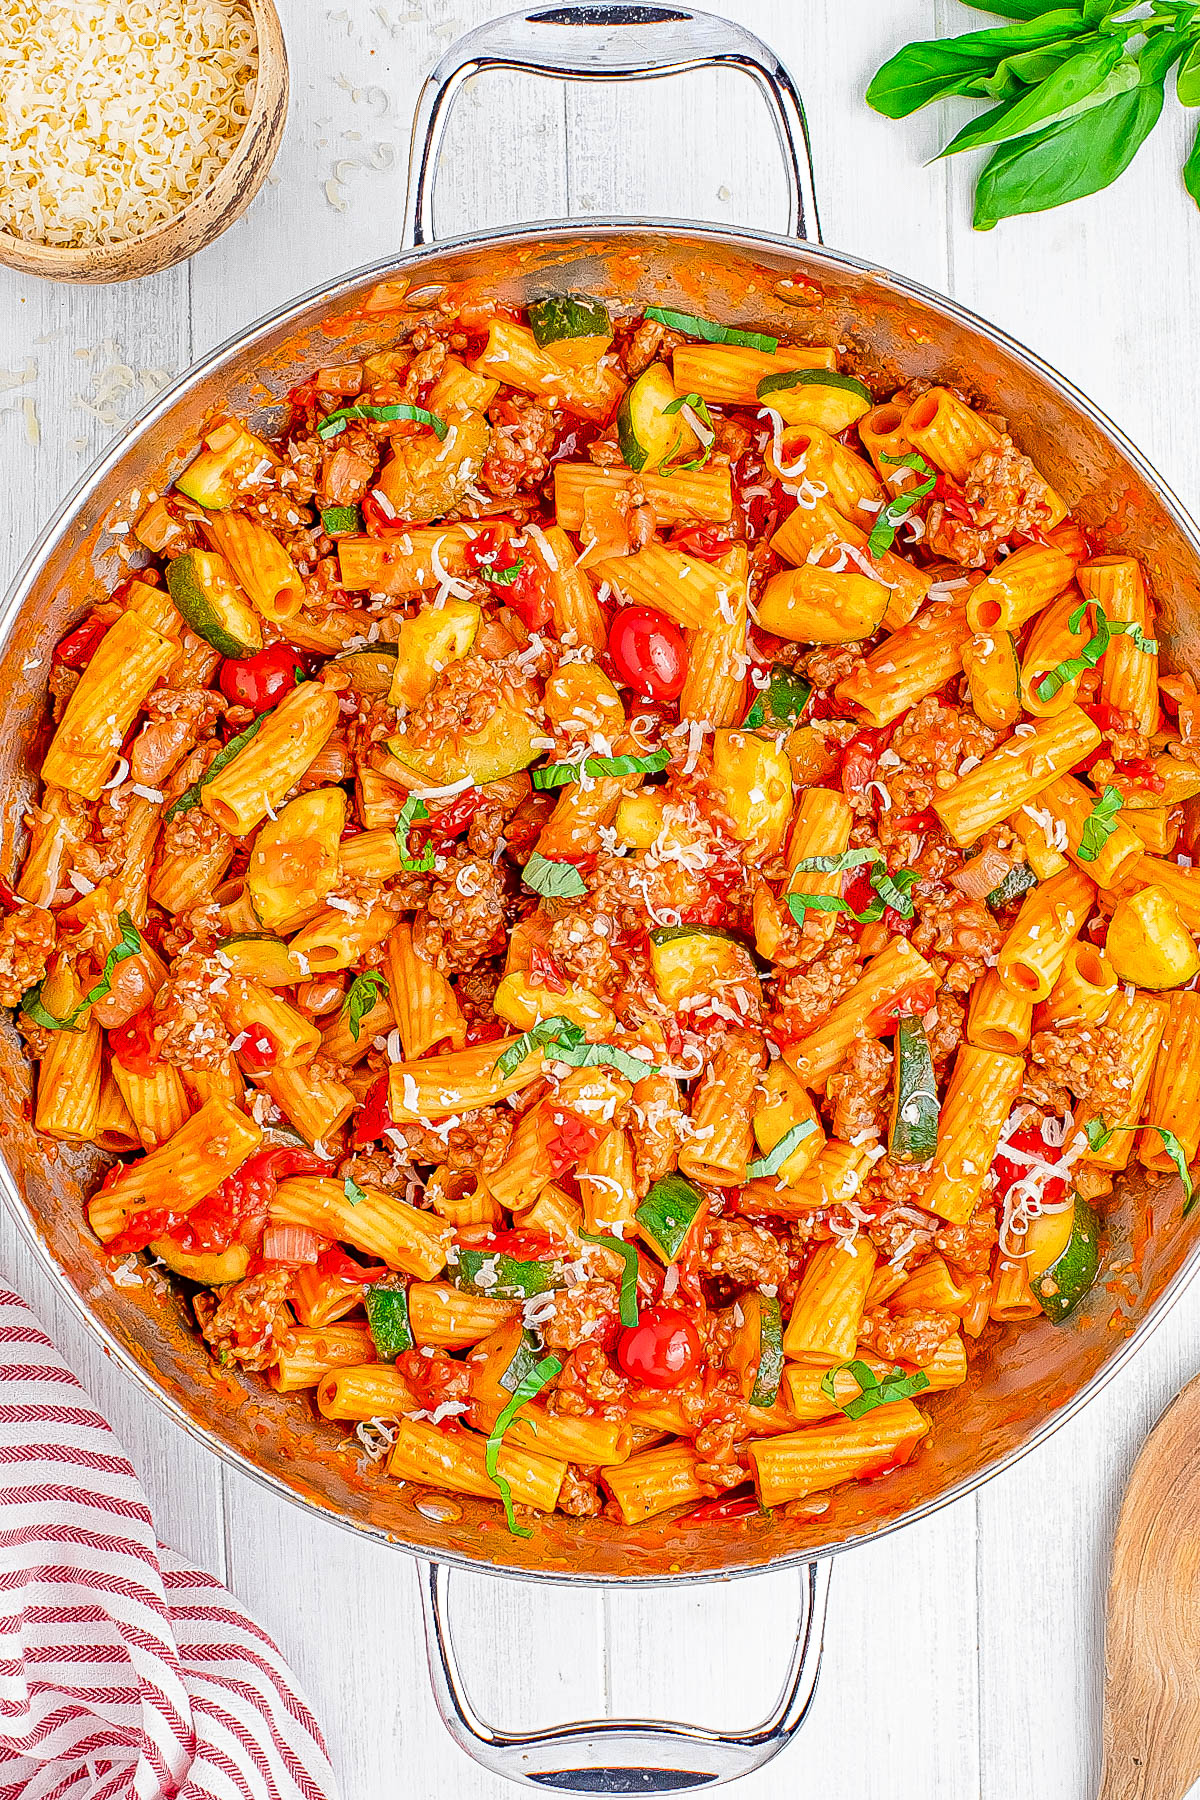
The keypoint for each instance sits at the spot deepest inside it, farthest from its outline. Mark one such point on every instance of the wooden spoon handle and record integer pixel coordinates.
(1152, 1652)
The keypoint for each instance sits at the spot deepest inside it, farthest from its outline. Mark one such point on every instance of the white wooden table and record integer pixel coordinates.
(962, 1656)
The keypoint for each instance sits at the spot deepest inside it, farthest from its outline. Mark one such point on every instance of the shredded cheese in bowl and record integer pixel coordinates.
(114, 114)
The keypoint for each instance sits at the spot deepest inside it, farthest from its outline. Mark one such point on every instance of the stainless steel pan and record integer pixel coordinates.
(1034, 1378)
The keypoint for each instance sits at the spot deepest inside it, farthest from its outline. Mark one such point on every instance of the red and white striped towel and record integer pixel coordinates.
(125, 1673)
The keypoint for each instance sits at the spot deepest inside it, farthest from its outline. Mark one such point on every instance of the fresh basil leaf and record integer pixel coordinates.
(893, 512)
(1079, 155)
(935, 68)
(225, 755)
(413, 810)
(773, 1161)
(500, 577)
(364, 991)
(1016, 9)
(709, 333)
(835, 865)
(1099, 825)
(555, 775)
(891, 890)
(334, 423)
(1105, 629)
(31, 1002)
(782, 701)
(629, 1274)
(1098, 1134)
(527, 1388)
(895, 1385)
(1191, 170)
(546, 1031)
(588, 1056)
(556, 880)
(1187, 79)
(1098, 73)
(698, 405)
(896, 890)
(354, 1194)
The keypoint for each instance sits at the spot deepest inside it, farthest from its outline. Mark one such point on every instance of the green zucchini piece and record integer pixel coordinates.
(646, 432)
(387, 1316)
(561, 316)
(1017, 882)
(913, 1134)
(508, 742)
(370, 671)
(204, 593)
(1059, 1287)
(816, 397)
(337, 520)
(782, 703)
(525, 1359)
(230, 456)
(260, 956)
(756, 1354)
(510, 1277)
(697, 959)
(667, 1214)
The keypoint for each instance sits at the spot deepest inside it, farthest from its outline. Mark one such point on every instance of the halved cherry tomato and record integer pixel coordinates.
(259, 1051)
(77, 649)
(516, 578)
(261, 680)
(334, 1262)
(572, 1137)
(8, 899)
(544, 970)
(234, 1213)
(133, 1046)
(734, 1506)
(660, 1349)
(707, 542)
(648, 652)
(1008, 1170)
(373, 1117)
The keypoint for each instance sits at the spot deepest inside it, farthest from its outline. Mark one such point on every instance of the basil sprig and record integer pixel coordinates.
(629, 1274)
(773, 1161)
(1075, 92)
(781, 702)
(566, 1040)
(225, 755)
(893, 512)
(891, 890)
(31, 1002)
(1099, 825)
(412, 811)
(555, 775)
(365, 991)
(556, 880)
(710, 333)
(1105, 631)
(895, 1385)
(527, 1389)
(700, 408)
(334, 423)
(1098, 1134)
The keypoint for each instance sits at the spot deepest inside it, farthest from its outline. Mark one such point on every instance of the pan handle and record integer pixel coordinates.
(622, 1756)
(619, 40)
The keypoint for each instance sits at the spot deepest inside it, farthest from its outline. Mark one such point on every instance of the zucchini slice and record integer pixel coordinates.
(428, 641)
(781, 702)
(205, 594)
(387, 1316)
(505, 1277)
(697, 959)
(913, 1133)
(426, 476)
(508, 742)
(572, 327)
(648, 435)
(337, 521)
(230, 456)
(1063, 1251)
(1016, 883)
(816, 397)
(294, 862)
(756, 1354)
(211, 1267)
(639, 820)
(260, 956)
(370, 671)
(667, 1214)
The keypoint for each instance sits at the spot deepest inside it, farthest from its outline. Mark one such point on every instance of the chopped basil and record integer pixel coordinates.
(1099, 825)
(558, 774)
(504, 577)
(191, 795)
(565, 1039)
(556, 880)
(629, 1274)
(31, 1003)
(700, 408)
(363, 995)
(773, 1161)
(872, 1393)
(892, 890)
(781, 702)
(893, 512)
(587, 1056)
(546, 1031)
(704, 329)
(1018, 881)
(1105, 630)
(334, 423)
(354, 1194)
(1098, 1134)
(413, 810)
(336, 520)
(529, 1386)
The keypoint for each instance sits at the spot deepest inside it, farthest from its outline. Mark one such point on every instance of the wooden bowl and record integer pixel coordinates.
(204, 217)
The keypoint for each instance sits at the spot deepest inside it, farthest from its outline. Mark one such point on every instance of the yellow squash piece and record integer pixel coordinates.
(428, 642)
(426, 476)
(294, 863)
(1149, 944)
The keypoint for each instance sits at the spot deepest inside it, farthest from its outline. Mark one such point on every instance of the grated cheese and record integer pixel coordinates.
(115, 114)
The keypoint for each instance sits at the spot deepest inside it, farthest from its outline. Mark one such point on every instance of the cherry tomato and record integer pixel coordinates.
(515, 577)
(572, 1137)
(11, 901)
(261, 680)
(77, 649)
(373, 1117)
(334, 1262)
(860, 759)
(707, 542)
(648, 652)
(258, 1051)
(660, 1349)
(133, 1046)
(917, 997)
(1011, 1169)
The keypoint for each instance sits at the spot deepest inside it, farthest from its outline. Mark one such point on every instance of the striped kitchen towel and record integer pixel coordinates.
(125, 1673)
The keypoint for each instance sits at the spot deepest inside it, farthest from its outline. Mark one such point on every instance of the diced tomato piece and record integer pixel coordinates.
(334, 1262)
(1009, 1169)
(733, 1506)
(133, 1046)
(524, 1245)
(449, 821)
(953, 499)
(77, 649)
(8, 899)
(373, 1117)
(234, 1213)
(259, 1051)
(516, 577)
(571, 1138)
(860, 759)
(544, 970)
(709, 543)
(916, 997)
(1141, 770)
